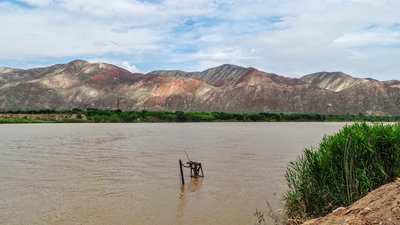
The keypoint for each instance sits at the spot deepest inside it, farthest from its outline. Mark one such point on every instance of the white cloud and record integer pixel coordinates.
(131, 68)
(123, 64)
(111, 9)
(368, 38)
(55, 34)
(282, 36)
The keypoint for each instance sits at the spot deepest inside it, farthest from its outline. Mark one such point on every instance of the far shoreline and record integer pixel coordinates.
(119, 116)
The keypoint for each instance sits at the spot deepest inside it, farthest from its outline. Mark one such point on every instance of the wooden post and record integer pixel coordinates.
(191, 170)
(180, 166)
(202, 174)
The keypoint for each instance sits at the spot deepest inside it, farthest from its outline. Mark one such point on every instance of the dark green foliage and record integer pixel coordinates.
(256, 117)
(129, 116)
(114, 118)
(23, 120)
(97, 115)
(98, 118)
(345, 167)
(67, 121)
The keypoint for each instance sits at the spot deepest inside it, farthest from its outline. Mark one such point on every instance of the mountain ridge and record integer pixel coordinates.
(227, 88)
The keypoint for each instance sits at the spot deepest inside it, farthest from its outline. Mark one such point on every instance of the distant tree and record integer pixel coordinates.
(114, 118)
(97, 118)
(180, 116)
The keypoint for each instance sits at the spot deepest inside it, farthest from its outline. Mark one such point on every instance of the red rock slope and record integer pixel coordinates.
(227, 88)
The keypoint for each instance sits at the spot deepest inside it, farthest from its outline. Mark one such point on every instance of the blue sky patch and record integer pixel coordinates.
(284, 37)
(19, 3)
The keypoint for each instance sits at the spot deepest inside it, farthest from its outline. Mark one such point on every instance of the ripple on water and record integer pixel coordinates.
(128, 173)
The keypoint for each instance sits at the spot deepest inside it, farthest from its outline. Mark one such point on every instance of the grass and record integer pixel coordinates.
(275, 218)
(27, 120)
(345, 167)
(23, 120)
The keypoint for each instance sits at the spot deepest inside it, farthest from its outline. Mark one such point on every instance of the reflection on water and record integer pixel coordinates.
(128, 173)
(193, 186)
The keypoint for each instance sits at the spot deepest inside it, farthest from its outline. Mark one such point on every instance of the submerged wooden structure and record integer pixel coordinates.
(195, 169)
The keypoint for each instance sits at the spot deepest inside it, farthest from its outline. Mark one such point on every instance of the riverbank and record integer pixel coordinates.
(381, 206)
(118, 116)
(42, 118)
(345, 168)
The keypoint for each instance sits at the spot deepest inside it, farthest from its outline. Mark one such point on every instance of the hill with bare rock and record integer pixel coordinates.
(336, 81)
(227, 88)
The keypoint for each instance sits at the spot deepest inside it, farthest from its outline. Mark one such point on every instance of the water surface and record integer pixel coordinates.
(129, 174)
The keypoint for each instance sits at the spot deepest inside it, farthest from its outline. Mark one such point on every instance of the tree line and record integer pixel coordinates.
(97, 115)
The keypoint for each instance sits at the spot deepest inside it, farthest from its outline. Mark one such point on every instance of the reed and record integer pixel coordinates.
(344, 168)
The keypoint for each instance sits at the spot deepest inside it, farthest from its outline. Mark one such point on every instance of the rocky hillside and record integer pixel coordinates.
(227, 88)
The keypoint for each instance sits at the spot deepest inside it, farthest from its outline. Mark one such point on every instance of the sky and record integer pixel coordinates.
(286, 37)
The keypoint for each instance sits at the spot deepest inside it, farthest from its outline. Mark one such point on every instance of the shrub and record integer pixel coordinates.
(345, 167)
(98, 118)
(114, 118)
(181, 116)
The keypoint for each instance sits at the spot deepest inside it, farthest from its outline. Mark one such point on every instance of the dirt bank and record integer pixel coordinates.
(381, 206)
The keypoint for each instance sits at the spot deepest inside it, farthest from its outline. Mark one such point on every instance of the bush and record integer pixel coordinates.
(114, 118)
(98, 118)
(181, 116)
(345, 167)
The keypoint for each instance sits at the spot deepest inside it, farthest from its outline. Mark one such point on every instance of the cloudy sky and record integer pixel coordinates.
(287, 37)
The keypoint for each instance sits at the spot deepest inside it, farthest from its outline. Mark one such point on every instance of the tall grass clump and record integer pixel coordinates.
(345, 167)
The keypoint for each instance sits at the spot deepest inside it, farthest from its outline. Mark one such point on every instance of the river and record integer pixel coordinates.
(129, 174)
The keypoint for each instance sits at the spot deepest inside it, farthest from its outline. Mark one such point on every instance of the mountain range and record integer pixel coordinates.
(227, 88)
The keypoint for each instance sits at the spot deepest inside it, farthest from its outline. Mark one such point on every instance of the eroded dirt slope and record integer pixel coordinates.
(381, 206)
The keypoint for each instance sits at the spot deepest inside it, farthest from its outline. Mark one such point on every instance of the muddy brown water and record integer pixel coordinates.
(129, 174)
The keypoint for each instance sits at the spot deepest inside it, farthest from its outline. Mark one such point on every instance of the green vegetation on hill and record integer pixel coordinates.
(345, 167)
(96, 115)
